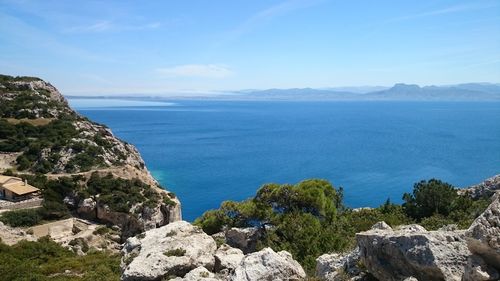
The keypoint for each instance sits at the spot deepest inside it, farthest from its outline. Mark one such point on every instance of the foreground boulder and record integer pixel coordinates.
(483, 240)
(227, 259)
(244, 239)
(332, 267)
(268, 265)
(198, 274)
(167, 252)
(414, 252)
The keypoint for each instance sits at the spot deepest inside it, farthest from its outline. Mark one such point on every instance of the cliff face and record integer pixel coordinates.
(44, 135)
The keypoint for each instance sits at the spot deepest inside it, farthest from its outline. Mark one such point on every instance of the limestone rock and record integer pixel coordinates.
(227, 259)
(12, 235)
(477, 270)
(381, 225)
(332, 267)
(486, 188)
(171, 250)
(268, 265)
(244, 239)
(198, 274)
(87, 209)
(484, 234)
(413, 251)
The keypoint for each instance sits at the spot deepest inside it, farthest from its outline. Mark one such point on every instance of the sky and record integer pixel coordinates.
(186, 47)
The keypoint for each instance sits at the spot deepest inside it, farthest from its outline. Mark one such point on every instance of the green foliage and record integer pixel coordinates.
(429, 198)
(435, 203)
(120, 194)
(46, 260)
(24, 217)
(435, 221)
(308, 219)
(175, 253)
(304, 218)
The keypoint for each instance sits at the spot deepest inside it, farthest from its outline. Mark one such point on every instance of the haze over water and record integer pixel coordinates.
(207, 151)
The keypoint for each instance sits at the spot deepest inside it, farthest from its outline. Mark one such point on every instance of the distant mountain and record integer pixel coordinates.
(463, 92)
(399, 92)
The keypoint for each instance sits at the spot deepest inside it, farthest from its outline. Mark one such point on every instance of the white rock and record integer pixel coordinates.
(198, 274)
(150, 258)
(331, 267)
(268, 265)
(413, 251)
(227, 258)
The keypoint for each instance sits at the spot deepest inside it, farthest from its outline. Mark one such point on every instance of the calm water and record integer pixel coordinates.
(207, 152)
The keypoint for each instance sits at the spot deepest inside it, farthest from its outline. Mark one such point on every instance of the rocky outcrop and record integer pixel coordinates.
(227, 259)
(181, 251)
(87, 148)
(411, 251)
(484, 189)
(478, 270)
(483, 240)
(333, 267)
(244, 239)
(268, 265)
(169, 251)
(198, 274)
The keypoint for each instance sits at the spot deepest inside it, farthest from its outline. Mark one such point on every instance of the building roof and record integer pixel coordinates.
(20, 188)
(16, 185)
(5, 179)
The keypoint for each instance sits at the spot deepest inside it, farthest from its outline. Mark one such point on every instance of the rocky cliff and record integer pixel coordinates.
(44, 135)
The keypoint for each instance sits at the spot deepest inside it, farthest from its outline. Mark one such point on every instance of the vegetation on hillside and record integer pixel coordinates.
(46, 260)
(309, 219)
(121, 195)
(43, 129)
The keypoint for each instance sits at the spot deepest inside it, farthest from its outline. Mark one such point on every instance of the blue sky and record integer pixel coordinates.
(165, 47)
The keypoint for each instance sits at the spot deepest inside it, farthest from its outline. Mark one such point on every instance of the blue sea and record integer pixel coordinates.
(210, 151)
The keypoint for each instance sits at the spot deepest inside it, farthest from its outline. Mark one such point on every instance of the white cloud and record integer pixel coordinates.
(196, 70)
(443, 11)
(105, 25)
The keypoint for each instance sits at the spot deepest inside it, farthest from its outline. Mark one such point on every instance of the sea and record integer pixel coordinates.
(207, 152)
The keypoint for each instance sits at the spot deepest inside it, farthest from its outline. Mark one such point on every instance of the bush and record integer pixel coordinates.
(26, 217)
(43, 258)
(175, 253)
(429, 198)
(436, 203)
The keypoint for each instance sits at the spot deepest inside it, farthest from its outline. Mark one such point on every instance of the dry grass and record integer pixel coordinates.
(34, 122)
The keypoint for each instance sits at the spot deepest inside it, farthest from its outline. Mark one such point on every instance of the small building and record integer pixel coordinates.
(15, 189)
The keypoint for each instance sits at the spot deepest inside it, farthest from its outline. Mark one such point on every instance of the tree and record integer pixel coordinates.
(430, 198)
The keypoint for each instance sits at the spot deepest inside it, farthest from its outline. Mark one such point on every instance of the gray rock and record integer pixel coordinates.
(171, 250)
(477, 270)
(484, 234)
(227, 259)
(332, 267)
(268, 265)
(485, 189)
(381, 225)
(244, 239)
(412, 251)
(198, 274)
(87, 209)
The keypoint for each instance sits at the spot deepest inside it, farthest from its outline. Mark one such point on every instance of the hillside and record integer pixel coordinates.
(81, 167)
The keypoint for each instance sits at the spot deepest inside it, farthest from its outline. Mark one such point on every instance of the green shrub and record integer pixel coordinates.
(175, 253)
(25, 217)
(46, 260)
